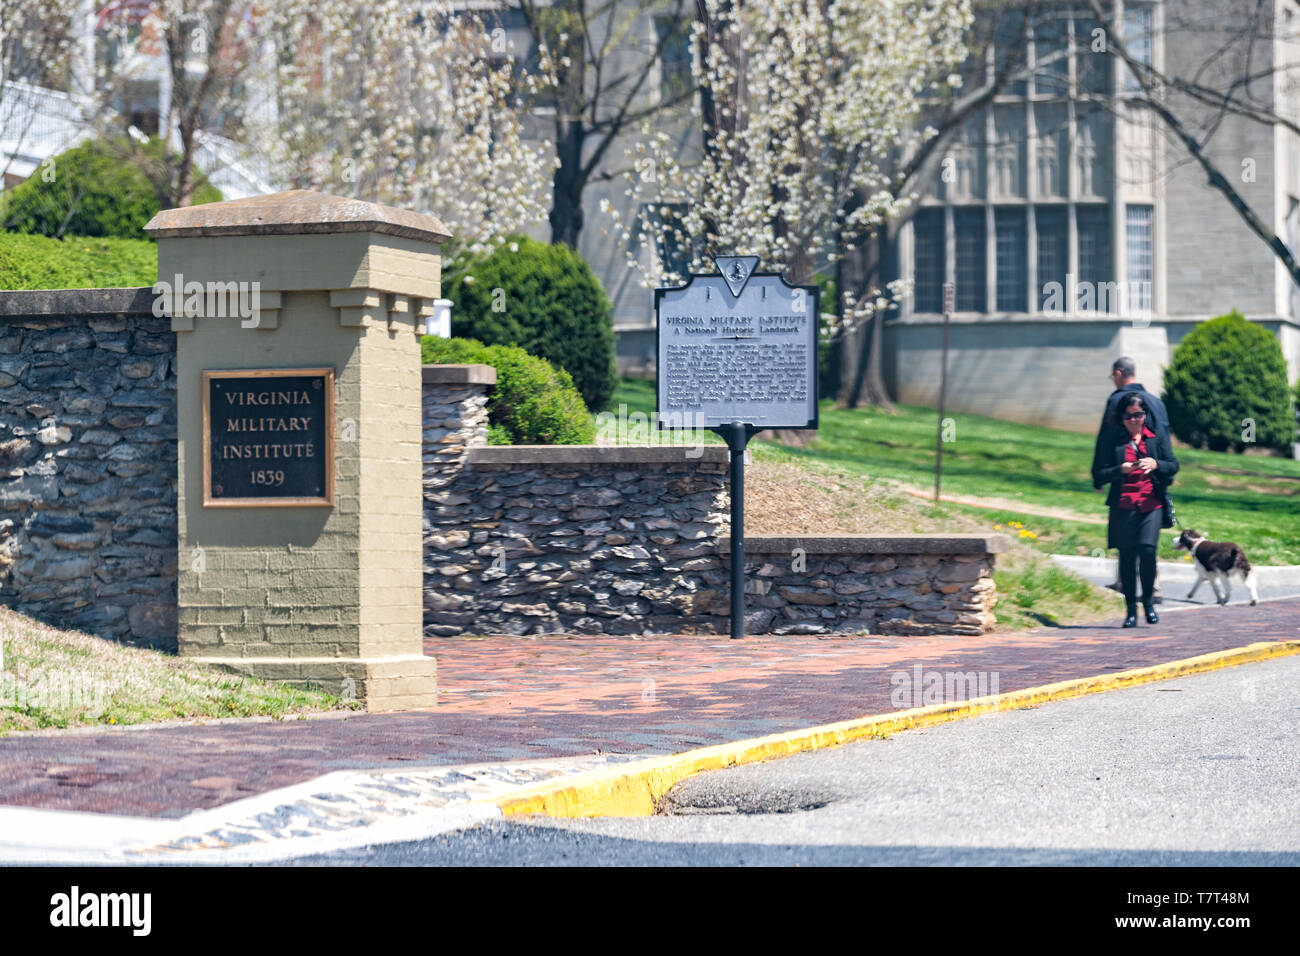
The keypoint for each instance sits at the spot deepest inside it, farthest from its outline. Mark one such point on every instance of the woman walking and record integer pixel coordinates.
(1139, 469)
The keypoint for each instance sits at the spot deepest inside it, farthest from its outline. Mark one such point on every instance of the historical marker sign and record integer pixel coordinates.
(737, 346)
(737, 354)
(268, 437)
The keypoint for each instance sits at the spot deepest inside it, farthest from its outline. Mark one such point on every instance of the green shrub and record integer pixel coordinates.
(545, 300)
(97, 190)
(532, 402)
(75, 262)
(1295, 399)
(1227, 372)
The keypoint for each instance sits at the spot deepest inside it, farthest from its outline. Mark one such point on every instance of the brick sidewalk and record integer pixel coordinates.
(513, 698)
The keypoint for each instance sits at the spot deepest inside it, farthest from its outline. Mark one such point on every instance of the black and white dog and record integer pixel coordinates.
(1214, 561)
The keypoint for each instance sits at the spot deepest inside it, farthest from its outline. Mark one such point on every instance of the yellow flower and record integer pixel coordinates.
(997, 527)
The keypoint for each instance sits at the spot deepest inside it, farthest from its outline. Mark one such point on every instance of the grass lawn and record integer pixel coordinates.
(54, 678)
(1253, 500)
(809, 497)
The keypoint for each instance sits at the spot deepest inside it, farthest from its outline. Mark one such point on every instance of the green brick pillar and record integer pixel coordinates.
(325, 589)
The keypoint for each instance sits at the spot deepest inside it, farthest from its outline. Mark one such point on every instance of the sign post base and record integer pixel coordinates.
(737, 436)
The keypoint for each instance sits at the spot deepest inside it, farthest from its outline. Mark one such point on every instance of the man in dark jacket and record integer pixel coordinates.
(1123, 372)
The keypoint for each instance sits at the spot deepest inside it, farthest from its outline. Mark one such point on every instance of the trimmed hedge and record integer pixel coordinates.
(544, 299)
(532, 402)
(97, 191)
(76, 262)
(1225, 372)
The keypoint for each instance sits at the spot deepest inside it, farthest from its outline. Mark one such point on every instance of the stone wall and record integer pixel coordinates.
(632, 540)
(454, 403)
(910, 584)
(583, 539)
(88, 462)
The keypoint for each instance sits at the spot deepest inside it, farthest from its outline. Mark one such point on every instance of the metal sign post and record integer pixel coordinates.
(949, 302)
(737, 353)
(737, 435)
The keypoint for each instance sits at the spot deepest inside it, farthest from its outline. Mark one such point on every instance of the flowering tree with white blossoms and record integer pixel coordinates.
(36, 38)
(416, 104)
(803, 105)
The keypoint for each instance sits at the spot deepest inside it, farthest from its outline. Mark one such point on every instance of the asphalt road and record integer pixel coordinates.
(1202, 771)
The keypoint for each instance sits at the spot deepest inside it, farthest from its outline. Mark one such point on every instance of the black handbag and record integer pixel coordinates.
(1167, 517)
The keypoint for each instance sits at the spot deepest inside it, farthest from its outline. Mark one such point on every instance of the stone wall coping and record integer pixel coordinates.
(849, 544)
(71, 303)
(458, 375)
(503, 456)
(294, 213)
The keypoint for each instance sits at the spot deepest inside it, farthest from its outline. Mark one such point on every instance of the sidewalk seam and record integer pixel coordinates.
(634, 789)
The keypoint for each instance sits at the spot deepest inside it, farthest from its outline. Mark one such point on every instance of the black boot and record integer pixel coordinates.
(1152, 616)
(1132, 619)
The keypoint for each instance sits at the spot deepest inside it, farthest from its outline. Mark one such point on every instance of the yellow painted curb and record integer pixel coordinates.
(632, 790)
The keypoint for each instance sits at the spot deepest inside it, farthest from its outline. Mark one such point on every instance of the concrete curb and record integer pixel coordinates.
(635, 789)
(344, 809)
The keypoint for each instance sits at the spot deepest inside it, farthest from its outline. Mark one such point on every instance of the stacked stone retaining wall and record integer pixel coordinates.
(632, 540)
(912, 584)
(582, 539)
(88, 462)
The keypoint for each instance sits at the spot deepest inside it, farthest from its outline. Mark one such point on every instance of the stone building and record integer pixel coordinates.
(1076, 229)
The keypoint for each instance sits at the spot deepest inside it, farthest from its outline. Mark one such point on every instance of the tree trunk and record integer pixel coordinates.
(868, 386)
(566, 185)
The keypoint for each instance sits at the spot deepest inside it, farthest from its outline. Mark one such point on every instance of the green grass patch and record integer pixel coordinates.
(38, 262)
(630, 419)
(54, 678)
(1253, 500)
(1033, 591)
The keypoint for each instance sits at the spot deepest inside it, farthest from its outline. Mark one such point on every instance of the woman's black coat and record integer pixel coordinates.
(1109, 468)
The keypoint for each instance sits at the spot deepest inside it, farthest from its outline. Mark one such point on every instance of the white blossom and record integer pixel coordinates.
(814, 101)
(405, 103)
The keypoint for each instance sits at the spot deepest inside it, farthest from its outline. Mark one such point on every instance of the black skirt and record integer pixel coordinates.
(1129, 529)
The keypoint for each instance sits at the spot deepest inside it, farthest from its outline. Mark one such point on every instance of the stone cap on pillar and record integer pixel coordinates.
(294, 213)
(380, 266)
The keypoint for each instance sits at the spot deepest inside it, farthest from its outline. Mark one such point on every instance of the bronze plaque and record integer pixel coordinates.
(268, 437)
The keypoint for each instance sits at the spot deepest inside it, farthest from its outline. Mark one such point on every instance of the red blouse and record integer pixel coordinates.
(1138, 492)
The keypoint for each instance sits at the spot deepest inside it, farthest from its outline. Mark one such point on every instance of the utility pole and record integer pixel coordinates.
(949, 302)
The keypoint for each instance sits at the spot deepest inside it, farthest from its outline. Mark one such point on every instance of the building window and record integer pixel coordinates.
(1007, 178)
(1010, 253)
(971, 264)
(928, 240)
(1053, 144)
(1091, 58)
(1052, 57)
(1009, 50)
(1053, 253)
(1096, 277)
(674, 37)
(1140, 258)
(1137, 40)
